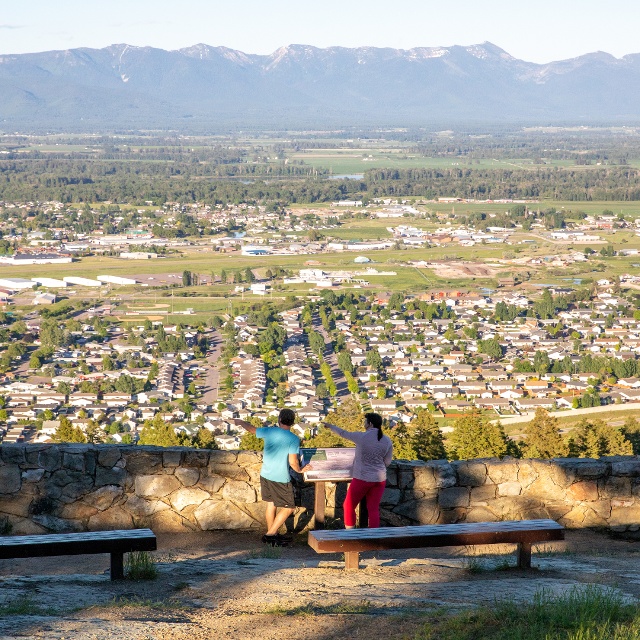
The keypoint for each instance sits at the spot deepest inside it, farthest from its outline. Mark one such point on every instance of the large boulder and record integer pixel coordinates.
(10, 479)
(220, 514)
(187, 496)
(156, 486)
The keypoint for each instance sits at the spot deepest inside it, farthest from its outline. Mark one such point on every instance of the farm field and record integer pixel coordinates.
(407, 278)
(357, 160)
(493, 260)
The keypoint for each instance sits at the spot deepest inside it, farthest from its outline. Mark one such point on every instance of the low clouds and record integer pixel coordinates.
(11, 26)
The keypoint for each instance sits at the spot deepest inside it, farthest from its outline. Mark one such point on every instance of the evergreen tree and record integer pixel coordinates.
(631, 431)
(64, 387)
(94, 433)
(421, 439)
(476, 437)
(373, 359)
(403, 448)
(203, 439)
(347, 416)
(126, 384)
(249, 442)
(594, 439)
(427, 437)
(66, 432)
(158, 432)
(543, 439)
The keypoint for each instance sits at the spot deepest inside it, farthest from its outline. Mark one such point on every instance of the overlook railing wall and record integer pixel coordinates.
(46, 488)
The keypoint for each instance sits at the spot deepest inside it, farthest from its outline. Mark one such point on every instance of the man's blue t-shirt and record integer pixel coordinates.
(278, 444)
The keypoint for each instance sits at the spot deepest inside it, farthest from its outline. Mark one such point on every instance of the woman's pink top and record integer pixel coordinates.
(373, 456)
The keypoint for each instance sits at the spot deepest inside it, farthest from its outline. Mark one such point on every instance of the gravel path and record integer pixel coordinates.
(227, 585)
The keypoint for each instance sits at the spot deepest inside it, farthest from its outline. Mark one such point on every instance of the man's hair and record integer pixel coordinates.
(374, 419)
(287, 417)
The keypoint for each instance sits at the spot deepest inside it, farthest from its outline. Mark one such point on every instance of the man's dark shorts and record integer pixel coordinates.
(280, 493)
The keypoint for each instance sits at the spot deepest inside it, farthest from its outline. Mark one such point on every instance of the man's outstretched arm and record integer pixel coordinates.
(244, 424)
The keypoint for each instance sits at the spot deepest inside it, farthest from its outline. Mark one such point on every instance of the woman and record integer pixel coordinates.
(373, 455)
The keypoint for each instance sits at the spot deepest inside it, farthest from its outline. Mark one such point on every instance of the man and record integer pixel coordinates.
(281, 449)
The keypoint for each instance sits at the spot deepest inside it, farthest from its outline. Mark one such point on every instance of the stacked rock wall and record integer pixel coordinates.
(576, 492)
(91, 487)
(86, 487)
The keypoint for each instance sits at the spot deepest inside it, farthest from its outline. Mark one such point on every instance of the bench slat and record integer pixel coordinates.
(445, 535)
(88, 542)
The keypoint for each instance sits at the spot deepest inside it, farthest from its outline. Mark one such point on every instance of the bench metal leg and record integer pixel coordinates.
(351, 560)
(524, 555)
(117, 566)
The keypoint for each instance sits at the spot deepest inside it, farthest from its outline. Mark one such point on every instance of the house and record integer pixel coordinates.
(629, 383)
(531, 404)
(383, 405)
(116, 399)
(497, 404)
(82, 399)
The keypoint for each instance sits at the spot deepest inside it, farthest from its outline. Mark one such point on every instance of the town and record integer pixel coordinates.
(92, 366)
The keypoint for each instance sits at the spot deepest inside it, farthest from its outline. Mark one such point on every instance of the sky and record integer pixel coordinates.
(536, 31)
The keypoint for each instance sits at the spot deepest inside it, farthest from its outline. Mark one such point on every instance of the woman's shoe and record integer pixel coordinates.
(275, 541)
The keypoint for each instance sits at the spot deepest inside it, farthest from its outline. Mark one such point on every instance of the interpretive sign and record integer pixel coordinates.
(331, 464)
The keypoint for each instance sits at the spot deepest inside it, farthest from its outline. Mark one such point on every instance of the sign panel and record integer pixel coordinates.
(331, 463)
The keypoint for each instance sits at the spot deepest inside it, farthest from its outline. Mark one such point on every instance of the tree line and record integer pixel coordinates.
(67, 180)
(475, 436)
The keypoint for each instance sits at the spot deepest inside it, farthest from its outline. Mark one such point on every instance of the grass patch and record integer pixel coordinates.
(479, 564)
(23, 606)
(143, 603)
(5, 526)
(338, 608)
(140, 565)
(549, 551)
(269, 552)
(584, 613)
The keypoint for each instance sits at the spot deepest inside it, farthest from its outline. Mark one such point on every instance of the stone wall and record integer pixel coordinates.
(86, 487)
(70, 487)
(576, 492)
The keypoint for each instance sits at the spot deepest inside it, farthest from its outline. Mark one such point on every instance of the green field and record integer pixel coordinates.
(358, 160)
(201, 259)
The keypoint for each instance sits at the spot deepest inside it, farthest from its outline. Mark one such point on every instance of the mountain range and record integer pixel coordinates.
(204, 88)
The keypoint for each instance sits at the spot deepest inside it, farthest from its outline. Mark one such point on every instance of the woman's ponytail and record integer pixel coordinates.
(375, 420)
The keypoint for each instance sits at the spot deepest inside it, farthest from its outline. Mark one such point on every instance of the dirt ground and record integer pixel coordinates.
(459, 270)
(229, 585)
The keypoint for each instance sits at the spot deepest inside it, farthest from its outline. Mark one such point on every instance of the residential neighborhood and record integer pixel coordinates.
(505, 354)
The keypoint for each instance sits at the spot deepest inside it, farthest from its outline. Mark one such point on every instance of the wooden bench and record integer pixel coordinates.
(352, 541)
(117, 543)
